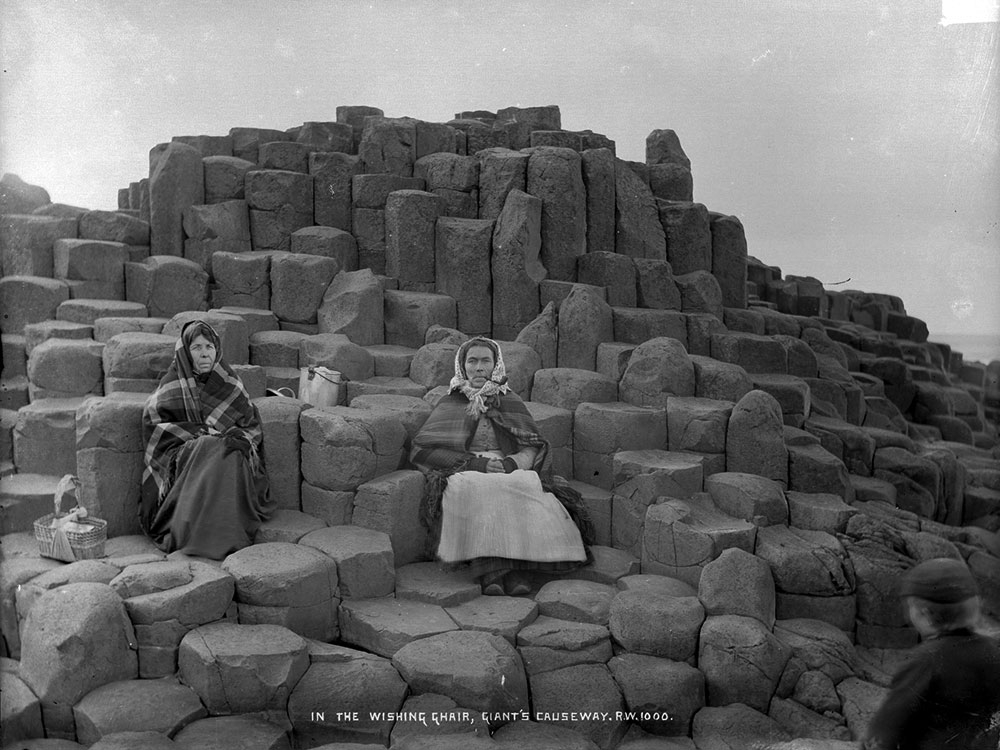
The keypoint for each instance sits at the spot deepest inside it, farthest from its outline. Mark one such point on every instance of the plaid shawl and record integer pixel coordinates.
(443, 442)
(186, 405)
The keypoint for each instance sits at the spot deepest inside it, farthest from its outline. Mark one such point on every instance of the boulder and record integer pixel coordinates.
(501, 171)
(64, 368)
(806, 562)
(656, 288)
(602, 429)
(615, 272)
(737, 725)
(562, 696)
(498, 615)
(720, 380)
(555, 175)
(410, 219)
(599, 181)
(567, 388)
(176, 181)
(578, 601)
(638, 231)
(167, 285)
(292, 585)
(585, 321)
(748, 496)
(636, 326)
(29, 299)
(680, 537)
(462, 270)
(641, 479)
(670, 691)
(359, 685)
(391, 504)
(232, 733)
(224, 178)
(74, 639)
(408, 315)
(353, 305)
(741, 659)
(136, 705)
(755, 438)
(658, 369)
(299, 284)
(542, 335)
(332, 174)
(481, 670)
(515, 266)
(427, 582)
(363, 556)
(657, 623)
(738, 583)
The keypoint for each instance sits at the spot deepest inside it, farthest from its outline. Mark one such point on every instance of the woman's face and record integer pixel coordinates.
(202, 354)
(479, 365)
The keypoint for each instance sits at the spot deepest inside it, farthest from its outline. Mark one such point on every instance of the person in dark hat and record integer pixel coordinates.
(948, 693)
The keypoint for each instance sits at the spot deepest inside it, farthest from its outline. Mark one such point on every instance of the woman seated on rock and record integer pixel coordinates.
(485, 502)
(204, 491)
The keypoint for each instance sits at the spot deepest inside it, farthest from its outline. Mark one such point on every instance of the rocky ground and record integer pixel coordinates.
(762, 457)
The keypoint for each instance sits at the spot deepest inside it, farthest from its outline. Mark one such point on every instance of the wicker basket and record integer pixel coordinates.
(86, 545)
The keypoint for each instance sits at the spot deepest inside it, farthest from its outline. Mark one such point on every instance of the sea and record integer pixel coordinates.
(975, 347)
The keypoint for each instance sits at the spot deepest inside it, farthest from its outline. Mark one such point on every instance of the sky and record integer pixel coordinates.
(855, 139)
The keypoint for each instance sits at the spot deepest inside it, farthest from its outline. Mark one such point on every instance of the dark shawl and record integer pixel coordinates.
(186, 405)
(441, 448)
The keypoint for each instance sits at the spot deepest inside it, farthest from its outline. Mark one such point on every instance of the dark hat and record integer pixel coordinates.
(942, 580)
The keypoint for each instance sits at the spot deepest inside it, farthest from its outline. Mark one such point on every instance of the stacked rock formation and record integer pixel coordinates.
(762, 457)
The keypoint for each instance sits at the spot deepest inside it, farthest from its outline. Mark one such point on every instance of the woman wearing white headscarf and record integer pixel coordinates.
(494, 514)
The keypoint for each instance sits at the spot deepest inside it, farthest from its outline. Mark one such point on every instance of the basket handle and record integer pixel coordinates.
(67, 485)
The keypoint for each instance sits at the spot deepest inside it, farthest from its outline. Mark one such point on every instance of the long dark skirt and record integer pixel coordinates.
(215, 505)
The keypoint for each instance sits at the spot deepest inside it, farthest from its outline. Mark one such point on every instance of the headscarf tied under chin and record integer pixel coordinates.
(497, 382)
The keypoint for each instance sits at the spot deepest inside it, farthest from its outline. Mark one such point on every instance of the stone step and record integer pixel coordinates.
(24, 498)
(45, 437)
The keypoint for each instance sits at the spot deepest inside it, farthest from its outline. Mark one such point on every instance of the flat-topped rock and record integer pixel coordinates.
(363, 556)
(480, 670)
(681, 536)
(138, 705)
(147, 578)
(232, 733)
(549, 643)
(288, 584)
(129, 740)
(429, 582)
(738, 583)
(391, 504)
(287, 525)
(608, 566)
(366, 691)
(659, 687)
(86, 311)
(570, 599)
(588, 687)
(24, 498)
(748, 496)
(658, 368)
(641, 478)
(567, 388)
(386, 625)
(76, 638)
(818, 511)
(500, 615)
(653, 621)
(242, 668)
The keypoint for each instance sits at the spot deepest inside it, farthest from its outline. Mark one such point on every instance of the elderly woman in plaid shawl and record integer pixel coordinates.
(494, 512)
(204, 491)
